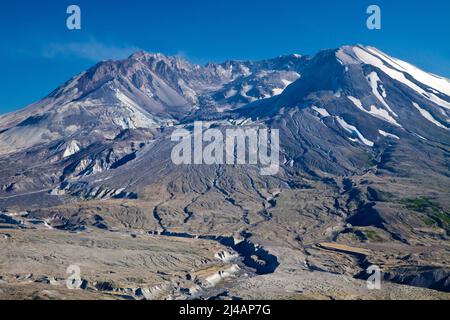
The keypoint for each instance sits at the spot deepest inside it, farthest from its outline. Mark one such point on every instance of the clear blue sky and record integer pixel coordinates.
(38, 52)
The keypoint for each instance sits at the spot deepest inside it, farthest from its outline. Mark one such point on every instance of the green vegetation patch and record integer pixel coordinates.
(421, 204)
(365, 234)
(435, 214)
(372, 235)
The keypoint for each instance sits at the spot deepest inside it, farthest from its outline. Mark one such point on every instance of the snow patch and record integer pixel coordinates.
(432, 81)
(286, 82)
(383, 114)
(374, 81)
(357, 103)
(429, 116)
(323, 112)
(72, 148)
(388, 135)
(376, 61)
(278, 91)
(374, 111)
(419, 136)
(353, 130)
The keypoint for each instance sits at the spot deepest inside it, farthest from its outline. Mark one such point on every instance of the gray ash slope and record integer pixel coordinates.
(364, 135)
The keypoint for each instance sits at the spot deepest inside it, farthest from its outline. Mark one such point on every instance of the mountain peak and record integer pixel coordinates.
(143, 55)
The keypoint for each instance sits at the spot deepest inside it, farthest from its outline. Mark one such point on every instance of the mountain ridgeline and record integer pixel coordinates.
(338, 112)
